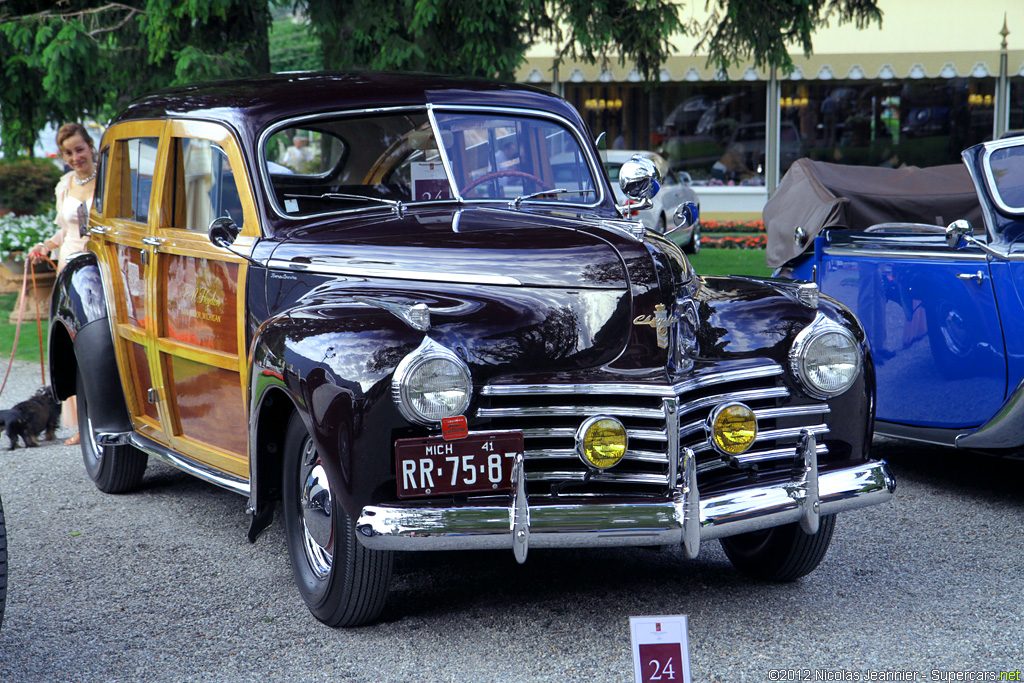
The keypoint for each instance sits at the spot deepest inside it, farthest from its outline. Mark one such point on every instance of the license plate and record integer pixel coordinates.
(431, 466)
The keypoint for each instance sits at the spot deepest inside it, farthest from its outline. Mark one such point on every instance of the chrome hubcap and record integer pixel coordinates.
(315, 501)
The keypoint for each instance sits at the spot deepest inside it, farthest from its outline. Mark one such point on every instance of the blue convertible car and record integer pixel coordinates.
(932, 262)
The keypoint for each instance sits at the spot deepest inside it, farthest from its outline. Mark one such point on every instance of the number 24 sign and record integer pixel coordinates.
(661, 651)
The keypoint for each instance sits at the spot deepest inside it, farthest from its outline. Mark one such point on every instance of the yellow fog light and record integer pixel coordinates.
(733, 428)
(601, 442)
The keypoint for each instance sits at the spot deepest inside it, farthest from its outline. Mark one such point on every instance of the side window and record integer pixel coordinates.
(137, 160)
(101, 178)
(203, 186)
(303, 152)
(1007, 168)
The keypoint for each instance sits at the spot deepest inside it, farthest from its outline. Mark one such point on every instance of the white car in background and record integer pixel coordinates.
(675, 189)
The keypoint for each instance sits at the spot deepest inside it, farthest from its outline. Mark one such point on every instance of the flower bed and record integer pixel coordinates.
(19, 233)
(742, 242)
(732, 226)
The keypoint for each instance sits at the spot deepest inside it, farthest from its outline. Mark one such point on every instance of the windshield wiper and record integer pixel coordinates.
(514, 204)
(396, 206)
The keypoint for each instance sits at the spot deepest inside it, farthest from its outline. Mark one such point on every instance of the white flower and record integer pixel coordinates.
(20, 233)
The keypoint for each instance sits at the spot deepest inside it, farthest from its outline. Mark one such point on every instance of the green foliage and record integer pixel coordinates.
(489, 39)
(293, 47)
(27, 185)
(764, 30)
(80, 59)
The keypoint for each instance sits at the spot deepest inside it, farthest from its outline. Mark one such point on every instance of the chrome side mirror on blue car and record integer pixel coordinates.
(958, 234)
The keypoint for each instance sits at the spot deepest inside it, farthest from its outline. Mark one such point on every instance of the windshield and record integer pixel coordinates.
(337, 164)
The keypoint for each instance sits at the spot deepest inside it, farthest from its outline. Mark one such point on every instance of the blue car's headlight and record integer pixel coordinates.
(826, 358)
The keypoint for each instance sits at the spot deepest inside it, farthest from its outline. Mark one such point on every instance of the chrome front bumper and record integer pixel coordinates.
(685, 518)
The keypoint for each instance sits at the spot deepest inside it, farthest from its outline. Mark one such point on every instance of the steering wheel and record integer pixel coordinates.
(508, 173)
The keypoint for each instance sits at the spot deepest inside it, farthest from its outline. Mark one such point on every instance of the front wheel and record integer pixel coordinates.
(342, 582)
(783, 553)
(114, 469)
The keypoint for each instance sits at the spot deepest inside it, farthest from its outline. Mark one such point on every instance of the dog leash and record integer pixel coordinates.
(29, 268)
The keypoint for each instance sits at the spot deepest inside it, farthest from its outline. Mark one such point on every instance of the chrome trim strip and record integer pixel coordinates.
(570, 411)
(897, 254)
(662, 391)
(571, 525)
(793, 411)
(741, 396)
(396, 273)
(570, 433)
(190, 466)
(756, 457)
(671, 407)
(609, 476)
(539, 454)
(629, 411)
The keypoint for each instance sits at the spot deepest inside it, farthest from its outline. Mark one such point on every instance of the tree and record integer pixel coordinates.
(63, 61)
(490, 39)
(88, 57)
(762, 31)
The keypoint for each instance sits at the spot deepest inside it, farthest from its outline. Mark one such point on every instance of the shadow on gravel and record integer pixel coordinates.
(429, 584)
(971, 474)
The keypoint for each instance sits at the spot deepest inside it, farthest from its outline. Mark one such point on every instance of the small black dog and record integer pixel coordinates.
(29, 418)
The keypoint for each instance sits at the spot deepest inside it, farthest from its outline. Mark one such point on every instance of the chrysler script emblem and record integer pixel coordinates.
(660, 321)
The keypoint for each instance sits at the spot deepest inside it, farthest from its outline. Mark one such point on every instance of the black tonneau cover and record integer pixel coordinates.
(816, 195)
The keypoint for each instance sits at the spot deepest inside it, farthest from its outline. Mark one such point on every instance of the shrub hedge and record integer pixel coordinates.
(27, 185)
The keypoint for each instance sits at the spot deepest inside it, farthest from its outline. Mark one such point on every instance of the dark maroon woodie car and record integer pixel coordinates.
(407, 308)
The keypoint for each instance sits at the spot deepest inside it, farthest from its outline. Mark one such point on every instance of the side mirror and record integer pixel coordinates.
(686, 214)
(958, 234)
(223, 232)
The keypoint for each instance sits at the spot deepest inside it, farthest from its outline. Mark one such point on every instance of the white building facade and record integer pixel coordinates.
(935, 78)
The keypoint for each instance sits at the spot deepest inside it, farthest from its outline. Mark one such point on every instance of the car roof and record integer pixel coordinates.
(251, 104)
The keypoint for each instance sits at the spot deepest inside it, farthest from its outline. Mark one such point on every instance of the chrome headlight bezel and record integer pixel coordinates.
(409, 397)
(808, 341)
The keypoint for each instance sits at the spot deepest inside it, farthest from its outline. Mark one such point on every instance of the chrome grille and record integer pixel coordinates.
(659, 420)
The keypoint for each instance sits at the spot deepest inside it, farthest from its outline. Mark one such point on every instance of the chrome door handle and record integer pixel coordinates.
(97, 230)
(153, 241)
(979, 276)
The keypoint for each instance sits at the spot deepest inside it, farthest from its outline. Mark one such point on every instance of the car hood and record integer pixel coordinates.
(475, 246)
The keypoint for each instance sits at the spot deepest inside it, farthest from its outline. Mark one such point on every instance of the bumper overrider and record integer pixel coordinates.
(682, 518)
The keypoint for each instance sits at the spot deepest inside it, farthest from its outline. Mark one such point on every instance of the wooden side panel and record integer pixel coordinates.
(130, 270)
(201, 302)
(143, 380)
(210, 404)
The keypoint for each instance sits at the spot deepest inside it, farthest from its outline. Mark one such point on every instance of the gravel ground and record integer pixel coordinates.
(161, 585)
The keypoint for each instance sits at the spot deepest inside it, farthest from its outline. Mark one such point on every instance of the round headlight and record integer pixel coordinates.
(826, 358)
(601, 442)
(431, 383)
(733, 428)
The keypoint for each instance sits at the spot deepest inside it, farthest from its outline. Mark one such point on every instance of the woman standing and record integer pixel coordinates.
(74, 201)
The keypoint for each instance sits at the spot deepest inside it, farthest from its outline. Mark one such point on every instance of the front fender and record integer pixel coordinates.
(333, 366)
(80, 340)
(754, 317)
